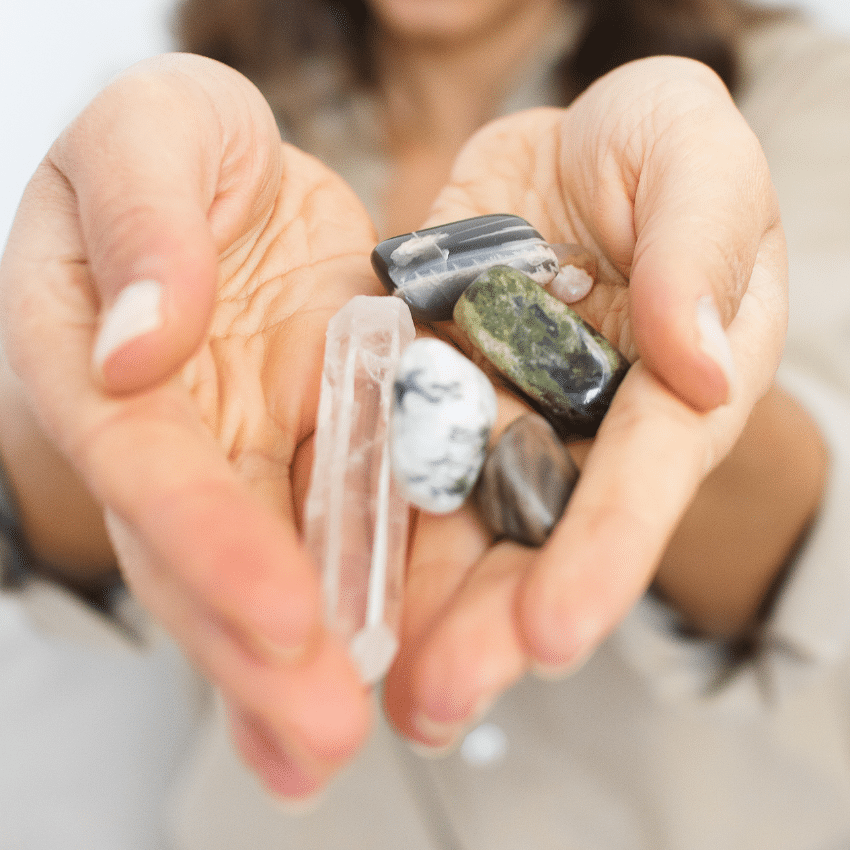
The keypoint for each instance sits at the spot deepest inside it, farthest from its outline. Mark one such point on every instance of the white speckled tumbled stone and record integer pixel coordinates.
(444, 407)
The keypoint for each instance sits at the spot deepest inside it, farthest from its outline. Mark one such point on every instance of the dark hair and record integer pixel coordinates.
(268, 40)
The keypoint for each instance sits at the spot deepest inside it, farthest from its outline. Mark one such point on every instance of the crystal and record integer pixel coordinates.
(566, 369)
(355, 518)
(430, 268)
(576, 275)
(443, 410)
(526, 481)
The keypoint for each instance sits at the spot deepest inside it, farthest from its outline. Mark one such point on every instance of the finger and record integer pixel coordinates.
(510, 165)
(638, 476)
(442, 549)
(293, 777)
(152, 459)
(295, 739)
(160, 188)
(471, 653)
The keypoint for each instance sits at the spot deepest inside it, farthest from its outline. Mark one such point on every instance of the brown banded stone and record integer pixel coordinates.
(526, 481)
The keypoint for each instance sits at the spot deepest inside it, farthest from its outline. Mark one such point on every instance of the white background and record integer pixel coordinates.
(55, 54)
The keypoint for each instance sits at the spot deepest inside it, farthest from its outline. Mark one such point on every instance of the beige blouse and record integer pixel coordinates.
(658, 743)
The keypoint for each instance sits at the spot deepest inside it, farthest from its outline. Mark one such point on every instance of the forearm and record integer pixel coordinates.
(62, 524)
(735, 541)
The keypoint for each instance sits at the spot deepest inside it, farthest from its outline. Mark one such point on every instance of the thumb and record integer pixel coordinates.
(706, 217)
(167, 166)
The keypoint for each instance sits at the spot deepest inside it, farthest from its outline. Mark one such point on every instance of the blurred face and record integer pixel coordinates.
(445, 20)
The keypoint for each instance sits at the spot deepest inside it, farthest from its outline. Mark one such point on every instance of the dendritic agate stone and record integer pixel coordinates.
(443, 410)
(430, 268)
(355, 518)
(567, 370)
(526, 481)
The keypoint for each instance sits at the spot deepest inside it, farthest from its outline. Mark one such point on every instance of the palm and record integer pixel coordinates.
(517, 166)
(256, 378)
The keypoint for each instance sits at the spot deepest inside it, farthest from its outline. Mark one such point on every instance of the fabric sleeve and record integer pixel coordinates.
(808, 631)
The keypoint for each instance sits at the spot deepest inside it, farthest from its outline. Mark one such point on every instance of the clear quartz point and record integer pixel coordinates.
(355, 518)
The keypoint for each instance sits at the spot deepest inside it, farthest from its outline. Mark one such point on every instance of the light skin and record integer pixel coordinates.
(423, 50)
(195, 436)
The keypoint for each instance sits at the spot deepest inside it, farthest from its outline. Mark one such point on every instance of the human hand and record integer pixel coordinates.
(191, 424)
(654, 171)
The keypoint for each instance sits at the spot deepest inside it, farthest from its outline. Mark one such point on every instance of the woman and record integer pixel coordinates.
(633, 749)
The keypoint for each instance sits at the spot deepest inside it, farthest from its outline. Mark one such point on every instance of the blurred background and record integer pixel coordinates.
(55, 54)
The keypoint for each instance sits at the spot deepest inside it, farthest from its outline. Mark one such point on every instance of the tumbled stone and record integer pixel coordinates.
(564, 367)
(443, 411)
(526, 481)
(355, 517)
(576, 275)
(430, 268)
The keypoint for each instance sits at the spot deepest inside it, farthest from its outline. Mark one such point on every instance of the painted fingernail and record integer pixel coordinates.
(137, 311)
(578, 269)
(713, 339)
(571, 284)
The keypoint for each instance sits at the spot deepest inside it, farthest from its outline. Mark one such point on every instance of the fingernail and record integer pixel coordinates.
(556, 672)
(432, 751)
(566, 652)
(439, 736)
(137, 311)
(713, 339)
(277, 651)
(284, 777)
(443, 737)
(300, 806)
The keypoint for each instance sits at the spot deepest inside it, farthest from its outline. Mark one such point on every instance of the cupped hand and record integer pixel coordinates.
(166, 290)
(654, 171)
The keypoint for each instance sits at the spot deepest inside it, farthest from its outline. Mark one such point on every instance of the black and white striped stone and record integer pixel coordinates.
(431, 268)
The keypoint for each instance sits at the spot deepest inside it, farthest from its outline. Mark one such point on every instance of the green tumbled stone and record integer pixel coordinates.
(564, 367)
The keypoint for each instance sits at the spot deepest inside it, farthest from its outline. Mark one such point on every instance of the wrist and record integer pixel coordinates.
(730, 552)
(54, 523)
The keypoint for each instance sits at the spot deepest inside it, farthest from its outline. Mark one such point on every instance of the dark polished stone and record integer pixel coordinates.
(564, 367)
(526, 481)
(430, 268)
